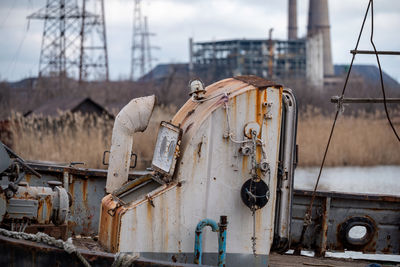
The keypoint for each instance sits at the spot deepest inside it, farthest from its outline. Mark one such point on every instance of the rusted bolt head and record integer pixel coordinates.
(264, 166)
(223, 220)
(245, 150)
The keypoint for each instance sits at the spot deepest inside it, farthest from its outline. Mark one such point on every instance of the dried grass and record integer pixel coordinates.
(79, 138)
(361, 140)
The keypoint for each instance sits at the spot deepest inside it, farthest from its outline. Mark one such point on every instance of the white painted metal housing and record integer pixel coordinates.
(208, 178)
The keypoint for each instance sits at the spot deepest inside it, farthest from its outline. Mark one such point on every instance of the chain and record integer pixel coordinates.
(253, 156)
(253, 238)
(254, 166)
(254, 177)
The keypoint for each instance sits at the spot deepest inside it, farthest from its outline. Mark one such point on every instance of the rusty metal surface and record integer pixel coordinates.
(22, 253)
(329, 231)
(372, 197)
(84, 172)
(58, 232)
(110, 223)
(86, 188)
(258, 82)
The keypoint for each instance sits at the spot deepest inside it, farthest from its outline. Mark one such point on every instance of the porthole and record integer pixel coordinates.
(357, 232)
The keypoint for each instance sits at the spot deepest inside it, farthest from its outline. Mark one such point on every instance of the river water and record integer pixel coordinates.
(362, 180)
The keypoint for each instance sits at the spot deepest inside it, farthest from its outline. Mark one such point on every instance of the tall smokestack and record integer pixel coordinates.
(318, 23)
(292, 23)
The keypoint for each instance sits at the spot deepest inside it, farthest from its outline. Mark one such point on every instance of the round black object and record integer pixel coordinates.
(255, 193)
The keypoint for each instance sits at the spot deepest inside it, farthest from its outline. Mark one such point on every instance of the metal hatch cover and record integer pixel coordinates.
(166, 151)
(258, 82)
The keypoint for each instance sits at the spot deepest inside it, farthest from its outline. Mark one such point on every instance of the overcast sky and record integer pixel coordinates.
(174, 21)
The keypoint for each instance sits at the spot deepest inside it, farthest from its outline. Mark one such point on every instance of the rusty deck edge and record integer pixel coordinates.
(84, 172)
(92, 256)
(47, 248)
(334, 194)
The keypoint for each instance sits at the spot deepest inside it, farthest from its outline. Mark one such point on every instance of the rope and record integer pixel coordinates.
(48, 240)
(380, 72)
(124, 259)
(308, 214)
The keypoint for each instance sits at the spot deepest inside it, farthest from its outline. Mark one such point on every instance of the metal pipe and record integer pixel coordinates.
(223, 224)
(134, 117)
(336, 99)
(366, 52)
(191, 55)
(66, 180)
(221, 229)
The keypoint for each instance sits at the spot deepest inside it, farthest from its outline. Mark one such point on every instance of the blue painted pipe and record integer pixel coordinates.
(221, 229)
(223, 224)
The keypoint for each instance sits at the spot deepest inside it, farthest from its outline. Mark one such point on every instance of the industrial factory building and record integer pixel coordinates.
(305, 58)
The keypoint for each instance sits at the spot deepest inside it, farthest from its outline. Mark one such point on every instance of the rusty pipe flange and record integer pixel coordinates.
(356, 243)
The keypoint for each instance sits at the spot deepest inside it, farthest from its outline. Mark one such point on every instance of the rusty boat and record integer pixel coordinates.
(220, 191)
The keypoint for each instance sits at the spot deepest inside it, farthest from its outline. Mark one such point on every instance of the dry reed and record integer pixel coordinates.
(361, 140)
(79, 138)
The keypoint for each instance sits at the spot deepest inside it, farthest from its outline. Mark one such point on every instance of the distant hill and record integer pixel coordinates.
(24, 83)
(370, 74)
(162, 71)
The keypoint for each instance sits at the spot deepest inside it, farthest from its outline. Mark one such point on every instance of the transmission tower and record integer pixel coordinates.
(93, 63)
(64, 51)
(141, 60)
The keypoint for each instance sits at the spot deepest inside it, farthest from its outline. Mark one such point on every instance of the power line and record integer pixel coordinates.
(8, 14)
(11, 67)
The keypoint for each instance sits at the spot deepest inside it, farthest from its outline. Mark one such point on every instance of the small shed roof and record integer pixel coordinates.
(68, 104)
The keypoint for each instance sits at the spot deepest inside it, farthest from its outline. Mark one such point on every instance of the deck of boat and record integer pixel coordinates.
(279, 260)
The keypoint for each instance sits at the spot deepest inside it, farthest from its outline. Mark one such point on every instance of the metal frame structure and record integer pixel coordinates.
(227, 58)
(93, 62)
(67, 50)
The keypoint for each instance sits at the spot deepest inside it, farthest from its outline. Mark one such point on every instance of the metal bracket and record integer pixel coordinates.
(367, 52)
(111, 212)
(337, 99)
(132, 155)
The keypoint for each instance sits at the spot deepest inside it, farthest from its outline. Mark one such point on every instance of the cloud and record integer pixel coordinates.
(174, 21)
